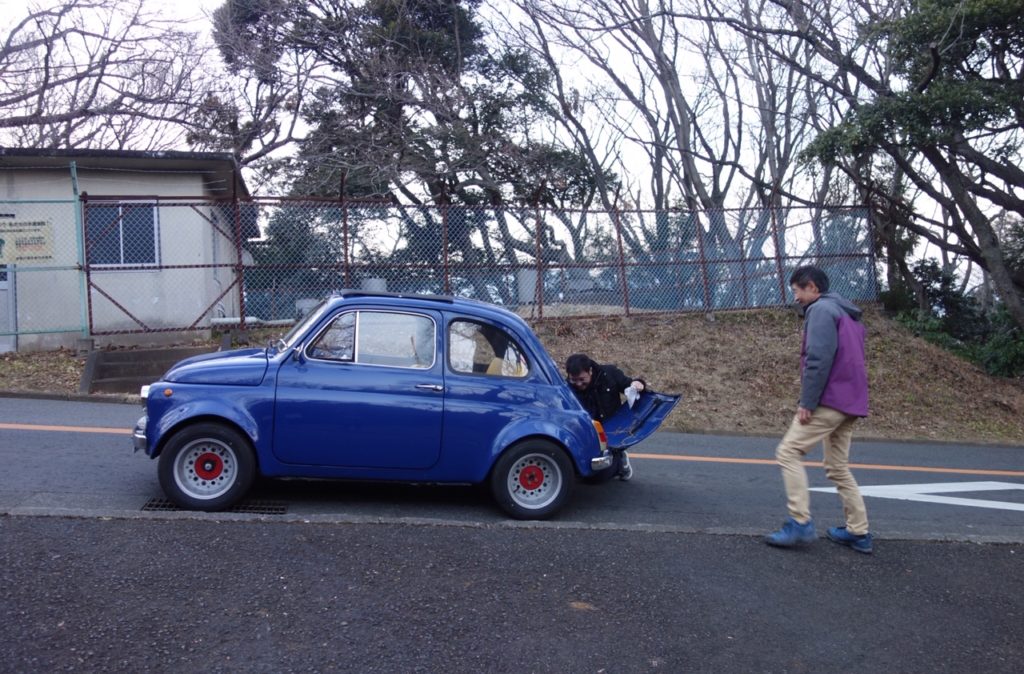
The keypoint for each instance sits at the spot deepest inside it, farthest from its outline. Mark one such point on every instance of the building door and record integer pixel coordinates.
(8, 340)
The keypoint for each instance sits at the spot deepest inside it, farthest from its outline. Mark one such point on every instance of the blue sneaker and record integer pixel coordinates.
(861, 543)
(792, 533)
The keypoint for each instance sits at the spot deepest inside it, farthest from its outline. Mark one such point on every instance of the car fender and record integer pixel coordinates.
(577, 437)
(194, 410)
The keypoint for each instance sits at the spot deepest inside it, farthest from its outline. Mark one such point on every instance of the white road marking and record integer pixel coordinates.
(926, 493)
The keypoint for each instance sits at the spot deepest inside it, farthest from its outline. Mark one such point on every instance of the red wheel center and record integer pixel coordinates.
(209, 466)
(531, 477)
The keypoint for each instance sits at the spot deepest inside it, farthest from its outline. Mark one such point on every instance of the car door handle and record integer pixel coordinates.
(430, 387)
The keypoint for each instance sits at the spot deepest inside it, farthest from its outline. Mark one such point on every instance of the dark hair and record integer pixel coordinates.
(809, 274)
(578, 362)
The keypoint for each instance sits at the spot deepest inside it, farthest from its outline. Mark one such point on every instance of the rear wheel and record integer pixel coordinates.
(532, 480)
(207, 466)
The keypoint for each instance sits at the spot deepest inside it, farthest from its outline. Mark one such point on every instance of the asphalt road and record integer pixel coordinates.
(664, 573)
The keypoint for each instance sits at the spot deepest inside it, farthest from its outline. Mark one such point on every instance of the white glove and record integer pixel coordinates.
(631, 395)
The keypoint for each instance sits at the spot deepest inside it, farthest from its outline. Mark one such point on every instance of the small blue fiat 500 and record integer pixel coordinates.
(378, 386)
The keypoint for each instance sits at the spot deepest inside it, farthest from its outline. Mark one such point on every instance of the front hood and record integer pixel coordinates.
(630, 425)
(242, 367)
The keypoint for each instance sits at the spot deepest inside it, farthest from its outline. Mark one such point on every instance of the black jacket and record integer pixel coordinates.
(602, 398)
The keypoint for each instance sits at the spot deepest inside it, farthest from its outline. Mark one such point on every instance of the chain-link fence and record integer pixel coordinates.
(544, 263)
(108, 266)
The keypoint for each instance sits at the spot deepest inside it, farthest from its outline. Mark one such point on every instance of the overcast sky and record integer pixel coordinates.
(187, 9)
(182, 9)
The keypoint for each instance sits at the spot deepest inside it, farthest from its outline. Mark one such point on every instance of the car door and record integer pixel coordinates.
(491, 384)
(366, 391)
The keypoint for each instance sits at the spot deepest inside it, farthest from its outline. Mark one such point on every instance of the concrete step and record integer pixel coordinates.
(119, 384)
(151, 368)
(127, 370)
(170, 354)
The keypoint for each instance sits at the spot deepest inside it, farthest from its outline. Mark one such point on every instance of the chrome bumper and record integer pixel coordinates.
(139, 434)
(601, 462)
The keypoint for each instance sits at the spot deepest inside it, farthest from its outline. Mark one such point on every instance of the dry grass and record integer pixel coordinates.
(48, 371)
(737, 372)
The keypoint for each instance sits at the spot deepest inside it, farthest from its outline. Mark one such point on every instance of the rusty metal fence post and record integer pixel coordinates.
(538, 284)
(446, 270)
(780, 252)
(239, 265)
(617, 219)
(703, 260)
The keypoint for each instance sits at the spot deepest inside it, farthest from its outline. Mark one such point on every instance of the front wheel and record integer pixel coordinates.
(532, 480)
(207, 466)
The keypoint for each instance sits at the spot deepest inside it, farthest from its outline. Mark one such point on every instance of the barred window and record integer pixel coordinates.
(123, 233)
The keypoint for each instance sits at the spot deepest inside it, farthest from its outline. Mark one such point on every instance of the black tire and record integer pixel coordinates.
(207, 466)
(532, 480)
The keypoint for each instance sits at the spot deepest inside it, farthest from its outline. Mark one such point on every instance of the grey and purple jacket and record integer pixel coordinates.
(832, 364)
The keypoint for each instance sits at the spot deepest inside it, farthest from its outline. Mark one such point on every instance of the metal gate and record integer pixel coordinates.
(8, 315)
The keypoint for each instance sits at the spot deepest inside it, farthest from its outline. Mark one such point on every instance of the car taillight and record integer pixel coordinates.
(601, 435)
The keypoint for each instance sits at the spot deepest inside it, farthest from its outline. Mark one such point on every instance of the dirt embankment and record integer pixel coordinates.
(738, 372)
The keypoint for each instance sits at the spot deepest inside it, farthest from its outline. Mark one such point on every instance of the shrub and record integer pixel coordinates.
(956, 321)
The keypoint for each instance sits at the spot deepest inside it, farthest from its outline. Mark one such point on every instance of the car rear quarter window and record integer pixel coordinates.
(478, 348)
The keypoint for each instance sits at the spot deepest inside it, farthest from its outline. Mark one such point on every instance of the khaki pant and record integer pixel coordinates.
(836, 430)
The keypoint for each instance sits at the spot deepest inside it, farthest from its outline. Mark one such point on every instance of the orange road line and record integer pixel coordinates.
(662, 457)
(817, 464)
(66, 429)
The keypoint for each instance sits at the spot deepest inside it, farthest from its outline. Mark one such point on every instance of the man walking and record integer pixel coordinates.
(833, 395)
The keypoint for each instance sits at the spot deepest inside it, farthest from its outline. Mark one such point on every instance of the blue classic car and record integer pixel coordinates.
(378, 386)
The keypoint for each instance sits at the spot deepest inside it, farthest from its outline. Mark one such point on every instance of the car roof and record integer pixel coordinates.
(440, 302)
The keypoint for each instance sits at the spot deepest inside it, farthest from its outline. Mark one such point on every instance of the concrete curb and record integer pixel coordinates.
(121, 398)
(351, 519)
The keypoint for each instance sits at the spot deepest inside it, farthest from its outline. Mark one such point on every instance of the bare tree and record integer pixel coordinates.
(719, 120)
(99, 73)
(257, 119)
(967, 164)
(708, 116)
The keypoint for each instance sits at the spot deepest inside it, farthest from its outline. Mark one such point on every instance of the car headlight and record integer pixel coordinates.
(144, 393)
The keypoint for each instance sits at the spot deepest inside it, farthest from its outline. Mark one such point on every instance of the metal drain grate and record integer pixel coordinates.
(248, 507)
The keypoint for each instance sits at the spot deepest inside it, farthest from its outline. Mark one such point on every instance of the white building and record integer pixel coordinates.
(122, 247)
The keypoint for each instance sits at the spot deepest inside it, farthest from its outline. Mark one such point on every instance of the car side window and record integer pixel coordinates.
(395, 339)
(337, 342)
(477, 348)
(377, 338)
